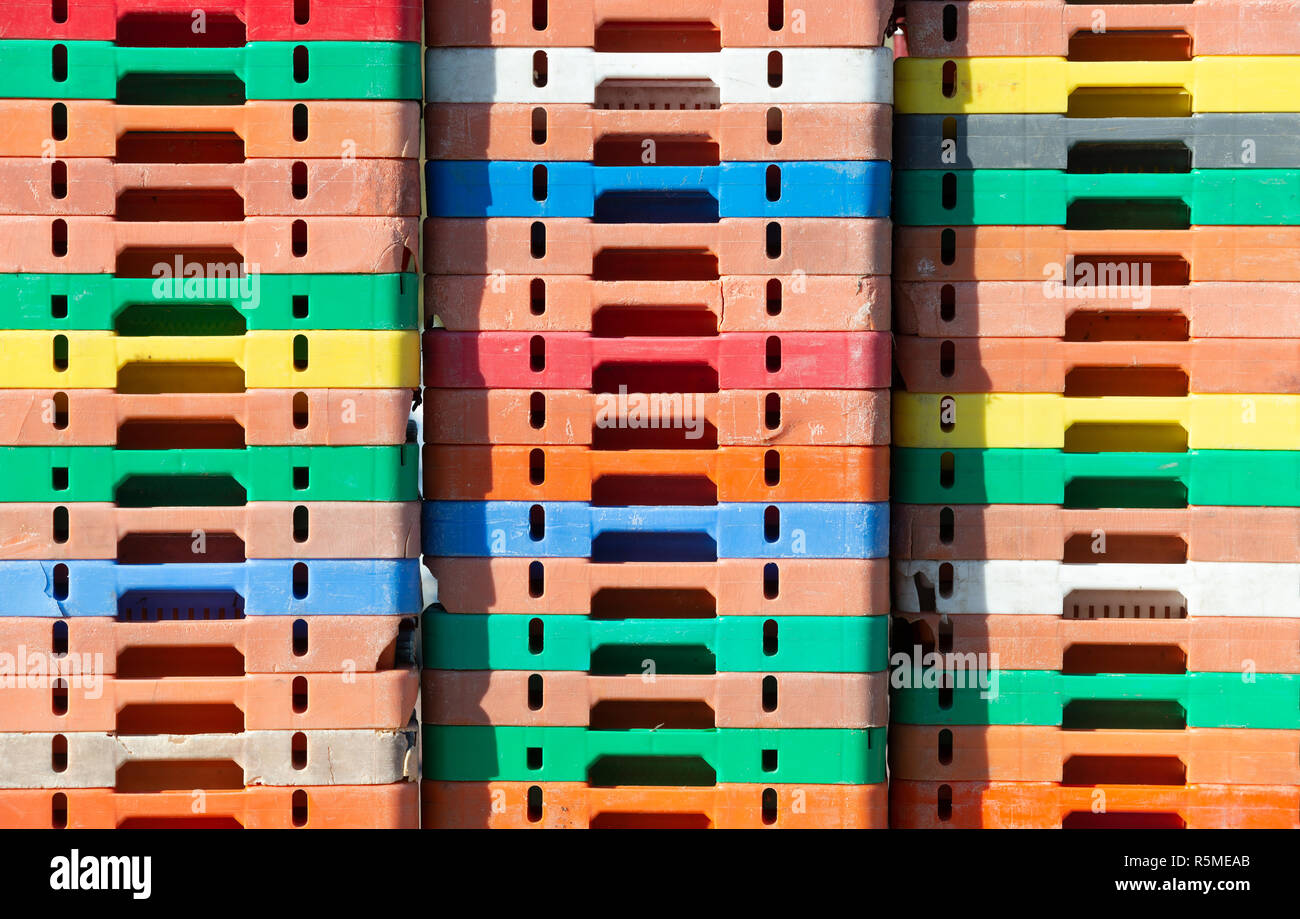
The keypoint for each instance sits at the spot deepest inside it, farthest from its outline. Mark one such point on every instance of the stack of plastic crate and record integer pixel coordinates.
(657, 283)
(209, 574)
(1096, 533)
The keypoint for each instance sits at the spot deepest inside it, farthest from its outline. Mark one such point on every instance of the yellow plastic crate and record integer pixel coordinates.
(1098, 424)
(201, 363)
(1138, 89)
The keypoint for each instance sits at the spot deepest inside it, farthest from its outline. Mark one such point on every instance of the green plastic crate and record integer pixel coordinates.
(653, 757)
(212, 76)
(1207, 700)
(1220, 478)
(154, 478)
(797, 644)
(132, 306)
(1043, 197)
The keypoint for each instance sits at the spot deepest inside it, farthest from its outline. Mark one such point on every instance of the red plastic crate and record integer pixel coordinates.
(172, 23)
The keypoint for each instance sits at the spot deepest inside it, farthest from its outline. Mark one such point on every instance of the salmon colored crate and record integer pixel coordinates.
(1099, 368)
(722, 700)
(169, 22)
(1044, 531)
(1043, 805)
(659, 251)
(265, 359)
(275, 245)
(735, 132)
(1201, 644)
(575, 805)
(1196, 756)
(209, 704)
(261, 529)
(207, 133)
(675, 25)
(98, 187)
(1055, 28)
(147, 762)
(737, 360)
(1200, 254)
(1179, 309)
(729, 586)
(567, 303)
(393, 806)
(256, 417)
(516, 473)
(731, 418)
(259, 644)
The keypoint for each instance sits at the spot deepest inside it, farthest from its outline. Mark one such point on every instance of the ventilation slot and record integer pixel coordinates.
(1090, 493)
(634, 714)
(1091, 325)
(619, 603)
(180, 548)
(1158, 158)
(1092, 659)
(179, 30)
(658, 37)
(187, 147)
(615, 771)
(1088, 382)
(1088, 437)
(1087, 771)
(639, 490)
(656, 150)
(180, 718)
(1080, 549)
(1123, 715)
(1130, 45)
(1124, 102)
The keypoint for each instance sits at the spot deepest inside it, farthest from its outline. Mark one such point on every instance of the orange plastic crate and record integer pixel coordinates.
(1030, 753)
(519, 473)
(1043, 805)
(555, 805)
(256, 808)
(204, 133)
